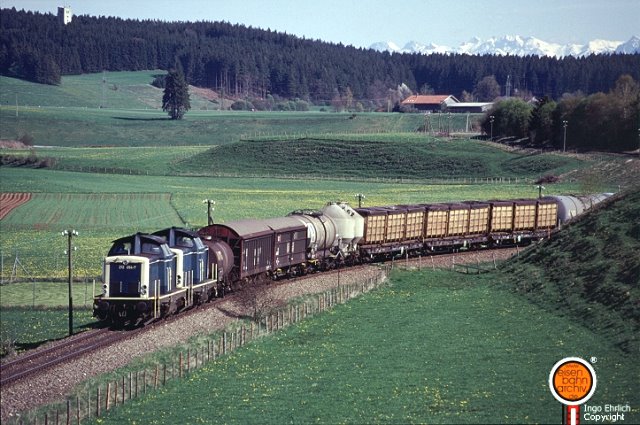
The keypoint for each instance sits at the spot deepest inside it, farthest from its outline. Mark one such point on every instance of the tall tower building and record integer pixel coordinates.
(65, 14)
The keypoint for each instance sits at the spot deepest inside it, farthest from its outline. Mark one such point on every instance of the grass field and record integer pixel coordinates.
(24, 328)
(82, 127)
(412, 156)
(382, 156)
(37, 312)
(53, 211)
(108, 90)
(71, 115)
(432, 347)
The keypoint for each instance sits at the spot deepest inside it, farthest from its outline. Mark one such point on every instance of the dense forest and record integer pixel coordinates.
(243, 61)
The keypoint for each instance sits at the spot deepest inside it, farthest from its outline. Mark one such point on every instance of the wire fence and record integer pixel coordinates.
(27, 266)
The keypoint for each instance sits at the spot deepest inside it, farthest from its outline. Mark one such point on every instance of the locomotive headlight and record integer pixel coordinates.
(105, 288)
(143, 291)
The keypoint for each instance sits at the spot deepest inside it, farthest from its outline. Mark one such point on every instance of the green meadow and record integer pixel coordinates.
(429, 347)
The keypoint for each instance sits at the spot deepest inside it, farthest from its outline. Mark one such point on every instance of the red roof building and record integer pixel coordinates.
(430, 102)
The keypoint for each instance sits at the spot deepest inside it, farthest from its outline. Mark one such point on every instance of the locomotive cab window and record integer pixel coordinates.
(148, 248)
(185, 242)
(121, 249)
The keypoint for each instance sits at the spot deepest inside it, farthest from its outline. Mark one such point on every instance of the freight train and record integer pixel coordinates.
(149, 276)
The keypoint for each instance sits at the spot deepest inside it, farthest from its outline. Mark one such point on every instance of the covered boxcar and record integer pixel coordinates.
(272, 246)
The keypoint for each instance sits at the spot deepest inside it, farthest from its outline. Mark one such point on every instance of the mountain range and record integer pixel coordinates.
(517, 46)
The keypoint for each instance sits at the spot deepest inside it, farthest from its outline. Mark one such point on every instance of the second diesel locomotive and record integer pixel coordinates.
(148, 276)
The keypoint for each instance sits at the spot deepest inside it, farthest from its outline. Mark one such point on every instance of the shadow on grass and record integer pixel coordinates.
(142, 119)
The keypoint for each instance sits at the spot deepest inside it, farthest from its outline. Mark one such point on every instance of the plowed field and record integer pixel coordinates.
(11, 200)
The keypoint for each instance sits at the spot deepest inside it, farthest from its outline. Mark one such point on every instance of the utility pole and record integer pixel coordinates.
(564, 141)
(210, 209)
(70, 234)
(360, 197)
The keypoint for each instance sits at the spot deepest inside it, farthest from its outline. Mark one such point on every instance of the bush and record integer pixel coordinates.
(26, 139)
(242, 105)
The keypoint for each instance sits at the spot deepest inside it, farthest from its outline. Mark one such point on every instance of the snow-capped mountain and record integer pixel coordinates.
(631, 46)
(516, 45)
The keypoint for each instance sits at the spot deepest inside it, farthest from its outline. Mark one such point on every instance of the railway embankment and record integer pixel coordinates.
(590, 271)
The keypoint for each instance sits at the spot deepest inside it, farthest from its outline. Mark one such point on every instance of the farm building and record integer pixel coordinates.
(431, 102)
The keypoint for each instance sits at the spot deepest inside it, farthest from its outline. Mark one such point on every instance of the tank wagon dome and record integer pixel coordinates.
(573, 206)
(349, 224)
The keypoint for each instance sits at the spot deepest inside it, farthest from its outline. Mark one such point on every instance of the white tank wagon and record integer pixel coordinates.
(570, 207)
(321, 232)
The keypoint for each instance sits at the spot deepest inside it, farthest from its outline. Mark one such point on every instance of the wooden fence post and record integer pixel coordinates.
(106, 400)
(98, 403)
(155, 379)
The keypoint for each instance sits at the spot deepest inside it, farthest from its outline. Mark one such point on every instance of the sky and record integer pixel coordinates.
(364, 22)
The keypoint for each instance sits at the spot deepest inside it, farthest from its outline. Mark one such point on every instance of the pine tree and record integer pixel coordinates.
(175, 100)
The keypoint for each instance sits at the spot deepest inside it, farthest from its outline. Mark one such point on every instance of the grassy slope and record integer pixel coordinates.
(432, 347)
(70, 115)
(590, 271)
(396, 156)
(79, 127)
(404, 155)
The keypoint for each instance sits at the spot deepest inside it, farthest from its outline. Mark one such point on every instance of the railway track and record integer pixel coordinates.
(63, 351)
(67, 350)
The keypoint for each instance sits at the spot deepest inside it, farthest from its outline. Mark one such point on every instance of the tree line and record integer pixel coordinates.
(245, 62)
(601, 121)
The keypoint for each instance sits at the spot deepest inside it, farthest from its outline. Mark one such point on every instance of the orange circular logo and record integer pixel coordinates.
(572, 381)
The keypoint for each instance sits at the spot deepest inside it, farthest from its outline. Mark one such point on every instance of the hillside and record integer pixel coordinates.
(590, 271)
(374, 156)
